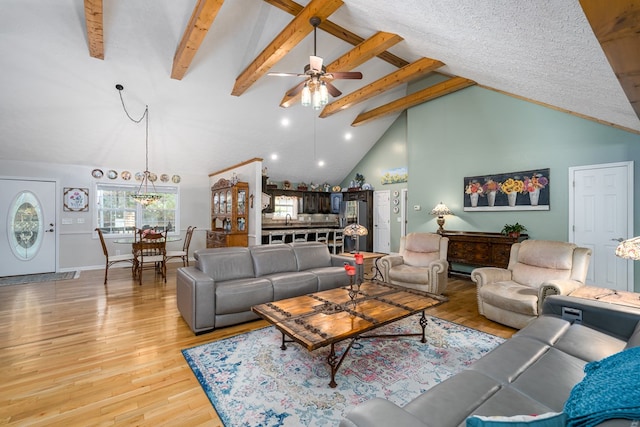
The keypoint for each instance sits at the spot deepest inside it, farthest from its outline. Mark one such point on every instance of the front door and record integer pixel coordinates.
(601, 215)
(27, 227)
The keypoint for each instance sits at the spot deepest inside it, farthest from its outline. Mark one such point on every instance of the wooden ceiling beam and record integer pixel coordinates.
(404, 75)
(444, 88)
(294, 8)
(288, 38)
(95, 28)
(360, 54)
(616, 25)
(204, 13)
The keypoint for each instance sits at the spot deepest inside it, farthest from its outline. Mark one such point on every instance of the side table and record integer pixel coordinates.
(370, 264)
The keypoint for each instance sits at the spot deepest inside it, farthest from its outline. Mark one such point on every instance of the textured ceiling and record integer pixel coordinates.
(58, 104)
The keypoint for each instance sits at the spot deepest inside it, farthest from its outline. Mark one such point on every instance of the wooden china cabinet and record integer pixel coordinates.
(229, 214)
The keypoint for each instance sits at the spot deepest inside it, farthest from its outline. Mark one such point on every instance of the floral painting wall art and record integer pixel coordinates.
(525, 190)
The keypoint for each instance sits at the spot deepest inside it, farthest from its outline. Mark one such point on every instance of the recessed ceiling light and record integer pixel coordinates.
(348, 136)
(284, 122)
(274, 156)
(320, 163)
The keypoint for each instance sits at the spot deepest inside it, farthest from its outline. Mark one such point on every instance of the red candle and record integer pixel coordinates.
(351, 270)
(359, 258)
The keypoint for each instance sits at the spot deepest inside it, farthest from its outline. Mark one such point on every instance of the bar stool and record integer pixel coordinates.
(322, 235)
(336, 243)
(276, 237)
(300, 236)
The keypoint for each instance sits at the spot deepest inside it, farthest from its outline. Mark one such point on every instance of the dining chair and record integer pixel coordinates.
(150, 254)
(184, 253)
(113, 259)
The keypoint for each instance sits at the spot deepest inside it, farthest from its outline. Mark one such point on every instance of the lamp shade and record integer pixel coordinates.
(629, 249)
(353, 230)
(441, 209)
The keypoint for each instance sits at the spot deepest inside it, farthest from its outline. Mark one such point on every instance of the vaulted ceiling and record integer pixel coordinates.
(202, 68)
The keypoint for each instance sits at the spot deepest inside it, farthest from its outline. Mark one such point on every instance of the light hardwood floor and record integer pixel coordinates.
(76, 352)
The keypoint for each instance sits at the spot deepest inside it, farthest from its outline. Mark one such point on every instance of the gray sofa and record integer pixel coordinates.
(225, 282)
(531, 373)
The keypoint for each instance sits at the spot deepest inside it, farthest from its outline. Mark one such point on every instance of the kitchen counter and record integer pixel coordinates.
(298, 226)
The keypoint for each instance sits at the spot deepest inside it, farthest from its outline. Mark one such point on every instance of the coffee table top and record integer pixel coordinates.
(326, 317)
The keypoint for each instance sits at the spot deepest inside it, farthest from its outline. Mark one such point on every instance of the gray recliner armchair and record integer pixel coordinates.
(537, 268)
(421, 264)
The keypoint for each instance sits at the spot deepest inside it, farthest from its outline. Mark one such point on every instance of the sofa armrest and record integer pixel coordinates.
(556, 287)
(380, 412)
(614, 319)
(485, 275)
(340, 260)
(388, 261)
(195, 297)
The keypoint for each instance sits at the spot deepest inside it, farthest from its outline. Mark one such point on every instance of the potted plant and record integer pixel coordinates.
(513, 230)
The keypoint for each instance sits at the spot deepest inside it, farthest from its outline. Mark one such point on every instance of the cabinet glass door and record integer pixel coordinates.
(241, 201)
(223, 202)
(229, 201)
(216, 203)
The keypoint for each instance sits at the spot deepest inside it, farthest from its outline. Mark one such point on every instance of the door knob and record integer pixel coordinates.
(49, 230)
(619, 239)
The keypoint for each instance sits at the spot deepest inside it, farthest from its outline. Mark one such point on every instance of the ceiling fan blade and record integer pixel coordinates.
(345, 75)
(296, 90)
(333, 91)
(286, 74)
(315, 62)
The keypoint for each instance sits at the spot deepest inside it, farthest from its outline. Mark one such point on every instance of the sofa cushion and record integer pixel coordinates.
(235, 296)
(421, 249)
(511, 296)
(225, 263)
(409, 274)
(292, 284)
(270, 259)
(546, 254)
(550, 380)
(330, 277)
(600, 345)
(311, 255)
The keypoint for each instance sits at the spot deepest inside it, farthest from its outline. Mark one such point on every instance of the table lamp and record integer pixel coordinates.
(355, 231)
(440, 211)
(629, 249)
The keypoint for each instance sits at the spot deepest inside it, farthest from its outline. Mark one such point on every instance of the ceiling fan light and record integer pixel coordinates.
(306, 96)
(324, 94)
(317, 99)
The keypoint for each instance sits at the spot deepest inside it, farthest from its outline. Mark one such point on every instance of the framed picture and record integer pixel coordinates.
(75, 200)
(524, 190)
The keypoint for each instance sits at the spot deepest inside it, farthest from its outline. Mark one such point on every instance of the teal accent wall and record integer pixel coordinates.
(478, 131)
(389, 152)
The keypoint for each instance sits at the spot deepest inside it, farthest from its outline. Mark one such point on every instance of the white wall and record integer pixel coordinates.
(78, 247)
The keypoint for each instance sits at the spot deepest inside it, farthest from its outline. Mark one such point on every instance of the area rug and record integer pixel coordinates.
(252, 382)
(35, 278)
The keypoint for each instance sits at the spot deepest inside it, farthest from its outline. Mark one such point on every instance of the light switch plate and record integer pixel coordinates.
(416, 207)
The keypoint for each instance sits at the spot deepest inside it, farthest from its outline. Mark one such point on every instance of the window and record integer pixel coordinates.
(117, 213)
(285, 205)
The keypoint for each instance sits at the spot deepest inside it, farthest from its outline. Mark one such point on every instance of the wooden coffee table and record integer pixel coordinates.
(326, 318)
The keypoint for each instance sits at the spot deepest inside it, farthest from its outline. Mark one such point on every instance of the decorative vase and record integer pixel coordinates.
(474, 199)
(514, 234)
(511, 197)
(491, 198)
(534, 196)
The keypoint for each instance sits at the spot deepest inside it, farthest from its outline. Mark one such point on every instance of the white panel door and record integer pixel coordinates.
(27, 227)
(381, 222)
(601, 214)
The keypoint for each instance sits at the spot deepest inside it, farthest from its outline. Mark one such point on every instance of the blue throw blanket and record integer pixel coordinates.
(610, 389)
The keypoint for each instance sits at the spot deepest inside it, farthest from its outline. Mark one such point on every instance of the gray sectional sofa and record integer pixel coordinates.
(225, 282)
(531, 373)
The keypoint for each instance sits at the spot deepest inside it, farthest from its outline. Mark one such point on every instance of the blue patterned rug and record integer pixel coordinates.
(251, 382)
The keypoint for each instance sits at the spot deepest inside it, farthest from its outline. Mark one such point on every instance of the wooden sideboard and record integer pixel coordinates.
(479, 249)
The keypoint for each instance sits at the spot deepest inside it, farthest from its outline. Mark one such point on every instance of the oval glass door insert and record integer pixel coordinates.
(25, 225)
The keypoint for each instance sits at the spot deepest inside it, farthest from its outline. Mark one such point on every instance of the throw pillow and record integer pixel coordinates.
(549, 419)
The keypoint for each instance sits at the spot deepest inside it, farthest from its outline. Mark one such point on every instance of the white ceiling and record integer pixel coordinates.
(60, 105)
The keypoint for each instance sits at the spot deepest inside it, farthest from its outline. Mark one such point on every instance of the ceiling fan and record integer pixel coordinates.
(317, 84)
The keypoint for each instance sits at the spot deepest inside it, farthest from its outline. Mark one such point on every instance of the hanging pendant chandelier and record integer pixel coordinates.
(143, 196)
